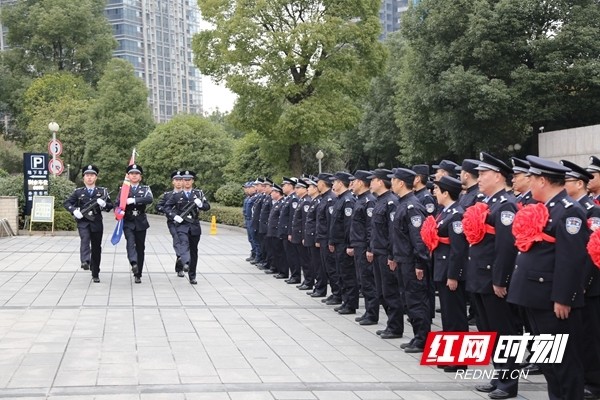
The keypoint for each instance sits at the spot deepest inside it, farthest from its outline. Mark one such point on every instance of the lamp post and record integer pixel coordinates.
(53, 126)
(319, 156)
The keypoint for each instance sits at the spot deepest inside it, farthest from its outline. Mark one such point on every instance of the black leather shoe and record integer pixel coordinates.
(193, 281)
(390, 335)
(407, 344)
(280, 276)
(359, 318)
(293, 281)
(325, 300)
(250, 259)
(96, 279)
(270, 271)
(346, 311)
(500, 394)
(533, 369)
(317, 295)
(485, 388)
(304, 287)
(366, 322)
(85, 266)
(333, 302)
(186, 268)
(454, 368)
(590, 395)
(380, 331)
(413, 349)
(180, 274)
(138, 279)
(338, 308)
(134, 268)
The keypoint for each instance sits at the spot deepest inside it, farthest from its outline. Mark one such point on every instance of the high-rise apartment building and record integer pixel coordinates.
(390, 14)
(156, 37)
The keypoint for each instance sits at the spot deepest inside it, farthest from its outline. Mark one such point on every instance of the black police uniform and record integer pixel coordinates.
(550, 273)
(135, 223)
(428, 201)
(411, 254)
(263, 224)
(188, 231)
(360, 237)
(324, 209)
(247, 211)
(450, 262)
(292, 267)
(256, 214)
(386, 281)
(276, 252)
(91, 226)
(339, 237)
(160, 208)
(470, 197)
(309, 240)
(298, 224)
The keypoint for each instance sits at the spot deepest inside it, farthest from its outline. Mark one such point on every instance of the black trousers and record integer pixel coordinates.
(175, 236)
(136, 247)
(495, 314)
(304, 261)
(90, 248)
(347, 277)
(388, 285)
(293, 259)
(188, 245)
(591, 343)
(260, 241)
(277, 255)
(321, 276)
(566, 379)
(367, 281)
(416, 295)
(314, 263)
(454, 307)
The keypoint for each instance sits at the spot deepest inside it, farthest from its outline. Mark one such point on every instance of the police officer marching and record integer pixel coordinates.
(86, 204)
(135, 222)
(177, 182)
(183, 209)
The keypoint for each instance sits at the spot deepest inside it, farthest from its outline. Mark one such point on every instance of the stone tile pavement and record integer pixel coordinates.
(239, 334)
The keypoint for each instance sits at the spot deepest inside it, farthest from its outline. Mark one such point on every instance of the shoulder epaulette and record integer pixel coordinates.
(588, 205)
(503, 199)
(566, 203)
(410, 206)
(390, 202)
(480, 195)
(454, 211)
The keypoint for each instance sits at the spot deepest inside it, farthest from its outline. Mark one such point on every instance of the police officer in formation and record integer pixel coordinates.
(177, 182)
(86, 204)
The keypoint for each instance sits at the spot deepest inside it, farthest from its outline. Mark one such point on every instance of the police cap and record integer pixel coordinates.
(594, 164)
(90, 169)
(361, 175)
(421, 169)
(342, 176)
(188, 174)
(135, 168)
(470, 165)
(448, 166)
(404, 174)
(380, 173)
(576, 171)
(519, 166)
(542, 167)
(491, 163)
(449, 184)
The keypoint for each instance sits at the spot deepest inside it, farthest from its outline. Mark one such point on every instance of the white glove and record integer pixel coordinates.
(101, 203)
(77, 214)
(198, 202)
(130, 200)
(178, 219)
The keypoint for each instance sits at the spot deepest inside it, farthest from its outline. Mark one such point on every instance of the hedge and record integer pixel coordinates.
(225, 215)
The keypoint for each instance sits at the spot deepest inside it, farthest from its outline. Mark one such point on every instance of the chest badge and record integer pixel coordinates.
(573, 225)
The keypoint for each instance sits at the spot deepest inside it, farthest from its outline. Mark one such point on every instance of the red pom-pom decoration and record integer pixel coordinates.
(593, 247)
(474, 225)
(429, 233)
(529, 224)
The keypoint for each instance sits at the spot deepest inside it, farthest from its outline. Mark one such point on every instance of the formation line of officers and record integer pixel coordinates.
(181, 206)
(509, 241)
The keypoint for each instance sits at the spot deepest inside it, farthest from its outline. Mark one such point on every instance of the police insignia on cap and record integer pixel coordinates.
(416, 221)
(348, 211)
(89, 167)
(594, 223)
(430, 207)
(573, 225)
(507, 217)
(457, 227)
(392, 215)
(370, 212)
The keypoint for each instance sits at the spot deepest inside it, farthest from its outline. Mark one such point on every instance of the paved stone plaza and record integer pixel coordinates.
(238, 334)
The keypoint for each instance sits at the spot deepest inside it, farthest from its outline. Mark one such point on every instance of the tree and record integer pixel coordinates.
(480, 75)
(64, 98)
(300, 68)
(59, 35)
(186, 142)
(119, 119)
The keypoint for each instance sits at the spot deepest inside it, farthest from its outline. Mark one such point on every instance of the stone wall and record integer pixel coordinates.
(576, 145)
(9, 209)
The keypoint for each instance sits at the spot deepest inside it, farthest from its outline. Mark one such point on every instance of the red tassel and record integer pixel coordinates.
(474, 225)
(593, 248)
(429, 233)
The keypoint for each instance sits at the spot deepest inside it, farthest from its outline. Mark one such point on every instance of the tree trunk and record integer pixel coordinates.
(295, 160)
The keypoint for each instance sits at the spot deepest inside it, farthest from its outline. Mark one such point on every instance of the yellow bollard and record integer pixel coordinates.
(213, 225)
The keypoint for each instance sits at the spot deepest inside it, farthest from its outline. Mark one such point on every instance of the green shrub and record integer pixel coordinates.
(230, 194)
(63, 221)
(225, 215)
(60, 188)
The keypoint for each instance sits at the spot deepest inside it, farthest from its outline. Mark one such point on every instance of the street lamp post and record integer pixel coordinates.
(319, 156)
(53, 126)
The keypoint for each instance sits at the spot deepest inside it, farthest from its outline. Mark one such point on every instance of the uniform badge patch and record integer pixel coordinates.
(330, 209)
(306, 207)
(457, 227)
(430, 207)
(370, 212)
(573, 225)
(392, 214)
(507, 217)
(294, 205)
(416, 221)
(348, 211)
(594, 223)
